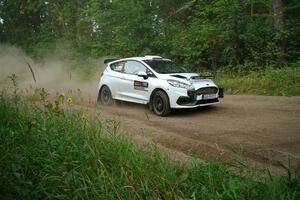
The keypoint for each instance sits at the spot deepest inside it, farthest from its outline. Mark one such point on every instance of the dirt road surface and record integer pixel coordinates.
(259, 129)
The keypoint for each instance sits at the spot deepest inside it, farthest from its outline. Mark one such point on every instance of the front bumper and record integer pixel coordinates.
(187, 101)
(195, 98)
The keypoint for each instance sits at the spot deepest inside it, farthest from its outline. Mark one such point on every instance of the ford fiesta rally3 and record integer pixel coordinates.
(156, 81)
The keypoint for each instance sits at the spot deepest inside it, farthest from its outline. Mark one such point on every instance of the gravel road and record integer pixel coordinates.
(257, 129)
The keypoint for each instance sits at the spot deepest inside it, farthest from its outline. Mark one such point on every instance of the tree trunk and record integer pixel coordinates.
(278, 15)
(279, 28)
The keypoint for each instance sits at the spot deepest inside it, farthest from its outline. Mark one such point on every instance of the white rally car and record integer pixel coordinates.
(156, 81)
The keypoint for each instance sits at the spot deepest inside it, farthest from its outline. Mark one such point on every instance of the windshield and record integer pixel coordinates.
(165, 66)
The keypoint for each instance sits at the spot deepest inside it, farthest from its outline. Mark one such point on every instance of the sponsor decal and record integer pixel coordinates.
(140, 85)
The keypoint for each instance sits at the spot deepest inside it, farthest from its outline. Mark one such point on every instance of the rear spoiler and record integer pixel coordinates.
(207, 77)
(109, 60)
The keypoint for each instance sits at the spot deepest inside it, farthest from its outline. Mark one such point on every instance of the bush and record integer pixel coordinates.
(276, 82)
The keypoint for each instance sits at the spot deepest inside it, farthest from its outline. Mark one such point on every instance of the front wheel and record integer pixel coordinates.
(160, 104)
(104, 96)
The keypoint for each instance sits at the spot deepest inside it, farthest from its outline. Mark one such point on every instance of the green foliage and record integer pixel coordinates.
(197, 33)
(276, 82)
(46, 154)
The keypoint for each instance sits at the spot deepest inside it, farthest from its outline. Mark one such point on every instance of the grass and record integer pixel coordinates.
(274, 82)
(56, 152)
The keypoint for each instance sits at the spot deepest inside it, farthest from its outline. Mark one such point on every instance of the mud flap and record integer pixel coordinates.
(221, 92)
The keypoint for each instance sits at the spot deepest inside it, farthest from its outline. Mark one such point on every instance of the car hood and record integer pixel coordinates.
(190, 78)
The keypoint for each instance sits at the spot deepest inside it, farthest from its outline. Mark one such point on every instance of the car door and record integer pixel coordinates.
(115, 78)
(133, 87)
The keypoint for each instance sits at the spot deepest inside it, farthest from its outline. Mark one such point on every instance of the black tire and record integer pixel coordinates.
(160, 103)
(104, 96)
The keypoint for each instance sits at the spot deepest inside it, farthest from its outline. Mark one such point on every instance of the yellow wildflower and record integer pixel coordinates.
(70, 100)
(61, 94)
(57, 110)
(84, 116)
(169, 196)
(60, 97)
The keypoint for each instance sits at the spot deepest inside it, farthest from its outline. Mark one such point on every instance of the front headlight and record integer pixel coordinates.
(179, 84)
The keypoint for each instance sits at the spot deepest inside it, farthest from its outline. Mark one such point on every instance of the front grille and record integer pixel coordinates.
(207, 101)
(207, 90)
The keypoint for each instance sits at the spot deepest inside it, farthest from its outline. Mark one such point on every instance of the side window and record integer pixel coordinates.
(118, 66)
(133, 67)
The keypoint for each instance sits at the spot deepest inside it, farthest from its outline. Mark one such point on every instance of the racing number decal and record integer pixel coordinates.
(140, 85)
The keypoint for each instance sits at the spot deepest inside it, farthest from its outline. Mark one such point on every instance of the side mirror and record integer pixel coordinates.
(150, 74)
(142, 74)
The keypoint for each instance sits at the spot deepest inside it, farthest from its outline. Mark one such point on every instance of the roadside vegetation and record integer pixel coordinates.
(50, 150)
(273, 82)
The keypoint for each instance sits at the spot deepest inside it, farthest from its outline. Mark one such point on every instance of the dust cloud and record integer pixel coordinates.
(53, 72)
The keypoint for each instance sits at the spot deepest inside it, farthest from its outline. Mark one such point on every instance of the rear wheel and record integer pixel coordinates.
(160, 103)
(104, 96)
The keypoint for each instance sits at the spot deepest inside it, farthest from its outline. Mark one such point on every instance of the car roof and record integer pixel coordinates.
(142, 58)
